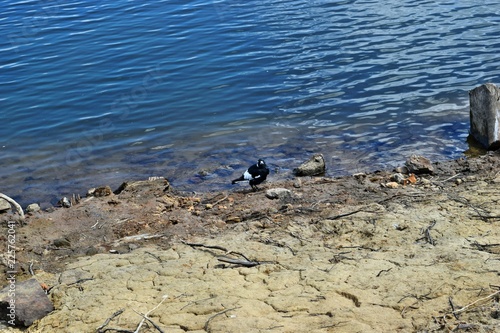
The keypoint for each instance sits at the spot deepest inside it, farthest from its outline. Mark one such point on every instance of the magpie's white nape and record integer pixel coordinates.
(255, 174)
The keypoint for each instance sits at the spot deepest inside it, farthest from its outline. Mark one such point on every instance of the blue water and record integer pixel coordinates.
(98, 92)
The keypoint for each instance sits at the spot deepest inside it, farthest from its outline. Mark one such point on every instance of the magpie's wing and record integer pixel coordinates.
(254, 170)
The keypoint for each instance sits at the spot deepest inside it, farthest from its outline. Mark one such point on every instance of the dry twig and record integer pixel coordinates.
(475, 302)
(247, 262)
(206, 328)
(116, 314)
(145, 316)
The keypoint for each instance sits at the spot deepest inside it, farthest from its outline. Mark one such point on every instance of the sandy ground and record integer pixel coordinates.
(344, 254)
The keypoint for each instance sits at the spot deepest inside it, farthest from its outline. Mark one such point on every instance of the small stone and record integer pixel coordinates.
(91, 251)
(392, 185)
(4, 205)
(209, 206)
(398, 178)
(359, 175)
(297, 183)
(31, 303)
(64, 202)
(233, 219)
(402, 169)
(419, 165)
(278, 193)
(458, 181)
(33, 208)
(61, 242)
(315, 166)
(102, 191)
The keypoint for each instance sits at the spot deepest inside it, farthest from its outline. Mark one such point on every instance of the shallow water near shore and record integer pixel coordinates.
(95, 93)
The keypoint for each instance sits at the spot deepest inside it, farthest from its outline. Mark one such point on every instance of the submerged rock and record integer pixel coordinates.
(314, 167)
(484, 115)
(22, 303)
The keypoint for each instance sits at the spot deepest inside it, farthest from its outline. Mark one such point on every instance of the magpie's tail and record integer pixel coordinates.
(238, 180)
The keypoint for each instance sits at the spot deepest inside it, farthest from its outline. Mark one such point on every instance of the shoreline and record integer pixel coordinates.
(331, 251)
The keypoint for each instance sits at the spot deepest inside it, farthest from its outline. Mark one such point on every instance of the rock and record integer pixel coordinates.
(419, 165)
(233, 219)
(61, 242)
(64, 202)
(315, 166)
(22, 303)
(484, 115)
(4, 205)
(398, 178)
(101, 191)
(33, 208)
(278, 193)
(401, 169)
(391, 185)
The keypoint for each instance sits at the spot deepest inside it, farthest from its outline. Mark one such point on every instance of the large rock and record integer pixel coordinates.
(485, 115)
(21, 303)
(315, 166)
(278, 193)
(418, 165)
(4, 205)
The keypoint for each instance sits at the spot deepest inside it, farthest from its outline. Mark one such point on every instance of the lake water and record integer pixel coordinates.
(97, 92)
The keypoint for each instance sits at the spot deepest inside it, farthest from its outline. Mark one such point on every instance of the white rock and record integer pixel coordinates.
(278, 193)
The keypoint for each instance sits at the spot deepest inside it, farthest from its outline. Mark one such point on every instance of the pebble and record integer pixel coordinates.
(32, 208)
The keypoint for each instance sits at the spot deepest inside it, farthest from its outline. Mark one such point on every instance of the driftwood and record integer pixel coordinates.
(14, 203)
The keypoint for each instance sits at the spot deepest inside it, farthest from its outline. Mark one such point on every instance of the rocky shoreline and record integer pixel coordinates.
(360, 253)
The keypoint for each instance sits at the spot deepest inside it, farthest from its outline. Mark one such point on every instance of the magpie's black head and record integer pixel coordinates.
(261, 163)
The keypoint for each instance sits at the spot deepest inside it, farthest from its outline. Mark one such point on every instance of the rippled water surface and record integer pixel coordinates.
(97, 92)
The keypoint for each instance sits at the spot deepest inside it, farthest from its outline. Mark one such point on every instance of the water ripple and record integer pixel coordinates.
(364, 82)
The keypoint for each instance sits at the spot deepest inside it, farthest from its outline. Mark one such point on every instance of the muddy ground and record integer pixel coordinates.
(346, 254)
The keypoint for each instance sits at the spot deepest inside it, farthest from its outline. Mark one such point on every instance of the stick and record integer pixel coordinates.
(216, 247)
(239, 262)
(450, 300)
(219, 201)
(476, 301)
(149, 319)
(217, 314)
(450, 178)
(154, 256)
(205, 246)
(14, 203)
(31, 268)
(145, 316)
(116, 314)
(427, 234)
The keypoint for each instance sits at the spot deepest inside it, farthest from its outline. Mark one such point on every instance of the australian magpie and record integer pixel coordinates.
(255, 174)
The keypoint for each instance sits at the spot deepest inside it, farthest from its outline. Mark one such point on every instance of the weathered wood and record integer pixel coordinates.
(485, 115)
